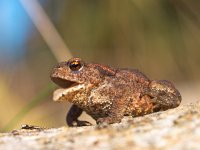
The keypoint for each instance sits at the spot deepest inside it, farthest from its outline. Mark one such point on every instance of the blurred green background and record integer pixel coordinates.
(160, 38)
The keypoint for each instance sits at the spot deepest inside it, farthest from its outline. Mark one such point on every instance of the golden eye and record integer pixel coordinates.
(75, 65)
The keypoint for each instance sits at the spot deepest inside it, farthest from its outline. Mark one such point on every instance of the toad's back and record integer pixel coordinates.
(136, 80)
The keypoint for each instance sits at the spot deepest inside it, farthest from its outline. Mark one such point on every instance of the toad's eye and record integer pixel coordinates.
(75, 65)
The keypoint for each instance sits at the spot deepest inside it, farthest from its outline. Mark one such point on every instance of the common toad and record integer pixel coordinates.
(107, 94)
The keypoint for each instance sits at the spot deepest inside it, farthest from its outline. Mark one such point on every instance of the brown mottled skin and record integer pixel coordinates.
(107, 94)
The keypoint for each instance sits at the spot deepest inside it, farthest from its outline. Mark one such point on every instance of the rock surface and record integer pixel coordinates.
(177, 129)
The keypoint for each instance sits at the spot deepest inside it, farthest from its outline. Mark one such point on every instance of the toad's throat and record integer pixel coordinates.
(68, 88)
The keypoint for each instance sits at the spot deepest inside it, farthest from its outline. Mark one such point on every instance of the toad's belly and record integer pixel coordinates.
(139, 107)
(136, 107)
(99, 110)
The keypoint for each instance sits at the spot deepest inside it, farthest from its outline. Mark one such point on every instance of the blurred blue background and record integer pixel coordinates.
(15, 29)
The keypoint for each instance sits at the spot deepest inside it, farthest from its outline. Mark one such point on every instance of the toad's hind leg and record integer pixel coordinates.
(72, 117)
(164, 95)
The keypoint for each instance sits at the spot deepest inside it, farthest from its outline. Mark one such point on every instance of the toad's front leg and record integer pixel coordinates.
(72, 117)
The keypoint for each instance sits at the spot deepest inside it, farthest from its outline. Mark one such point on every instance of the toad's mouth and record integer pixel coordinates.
(67, 87)
(63, 83)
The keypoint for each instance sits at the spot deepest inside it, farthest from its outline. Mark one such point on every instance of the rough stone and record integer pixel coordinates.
(177, 129)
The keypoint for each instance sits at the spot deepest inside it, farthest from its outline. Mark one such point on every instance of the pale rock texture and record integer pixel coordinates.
(177, 129)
